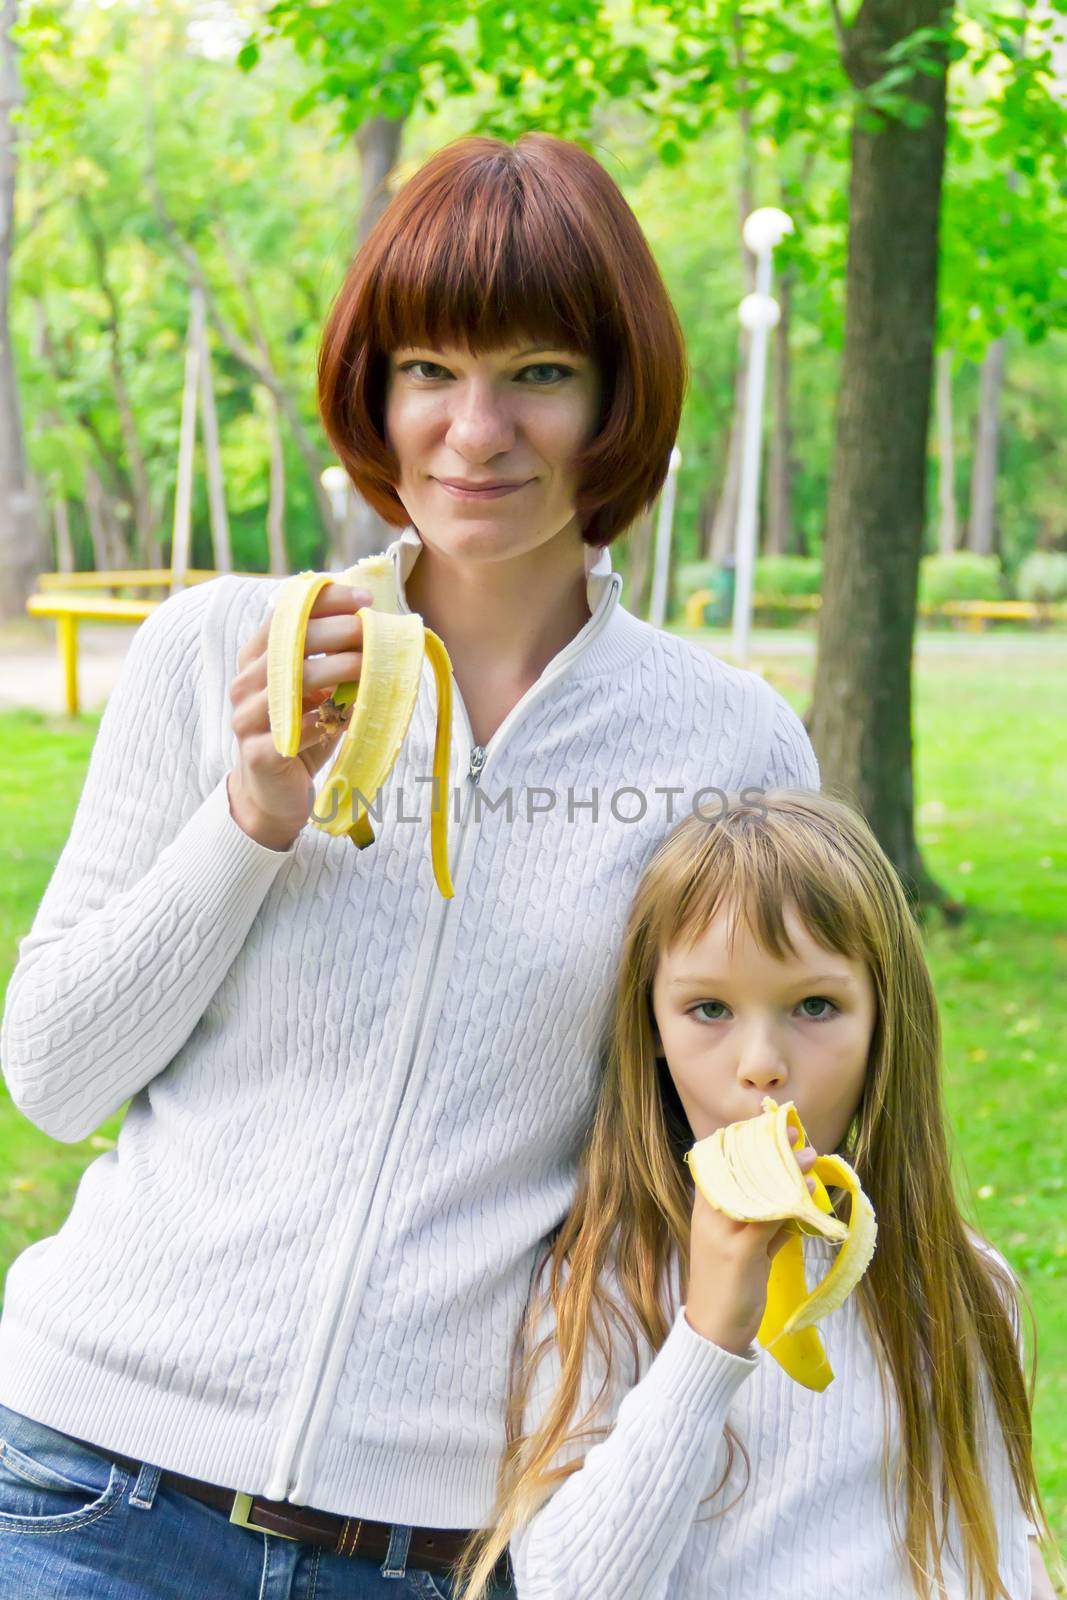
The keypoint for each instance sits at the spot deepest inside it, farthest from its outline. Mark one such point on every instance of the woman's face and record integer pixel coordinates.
(737, 1024)
(520, 416)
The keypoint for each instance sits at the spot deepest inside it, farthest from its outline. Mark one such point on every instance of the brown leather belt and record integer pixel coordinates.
(435, 1549)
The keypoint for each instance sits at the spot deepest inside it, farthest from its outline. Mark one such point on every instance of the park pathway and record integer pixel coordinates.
(30, 674)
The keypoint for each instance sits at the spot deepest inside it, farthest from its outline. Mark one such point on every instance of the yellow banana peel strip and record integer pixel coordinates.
(802, 1354)
(394, 645)
(748, 1171)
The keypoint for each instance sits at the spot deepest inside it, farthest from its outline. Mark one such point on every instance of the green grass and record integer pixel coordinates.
(991, 797)
(991, 814)
(40, 781)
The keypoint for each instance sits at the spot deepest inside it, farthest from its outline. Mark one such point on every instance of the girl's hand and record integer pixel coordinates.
(729, 1265)
(271, 795)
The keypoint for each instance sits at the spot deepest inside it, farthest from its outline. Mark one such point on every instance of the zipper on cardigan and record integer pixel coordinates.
(296, 1468)
(480, 753)
(478, 757)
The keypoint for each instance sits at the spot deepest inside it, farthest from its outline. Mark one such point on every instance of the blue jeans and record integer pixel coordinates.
(74, 1526)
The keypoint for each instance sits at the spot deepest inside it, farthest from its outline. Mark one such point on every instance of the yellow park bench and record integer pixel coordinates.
(975, 613)
(694, 606)
(126, 578)
(73, 597)
(70, 598)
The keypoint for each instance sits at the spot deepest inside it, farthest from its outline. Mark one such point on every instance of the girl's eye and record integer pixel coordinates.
(818, 1000)
(553, 367)
(811, 1000)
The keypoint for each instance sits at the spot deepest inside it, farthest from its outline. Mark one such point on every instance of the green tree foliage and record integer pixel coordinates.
(259, 173)
(265, 205)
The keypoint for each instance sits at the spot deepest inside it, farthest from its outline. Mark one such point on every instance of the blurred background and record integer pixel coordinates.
(182, 186)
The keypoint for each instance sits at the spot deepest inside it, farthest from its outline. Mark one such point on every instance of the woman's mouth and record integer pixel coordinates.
(493, 492)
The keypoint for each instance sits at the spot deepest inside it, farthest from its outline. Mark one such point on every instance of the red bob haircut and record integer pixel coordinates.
(489, 243)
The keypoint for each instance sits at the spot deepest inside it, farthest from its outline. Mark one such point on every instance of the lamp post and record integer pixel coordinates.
(758, 313)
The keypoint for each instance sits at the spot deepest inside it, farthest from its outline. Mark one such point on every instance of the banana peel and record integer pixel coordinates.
(383, 700)
(749, 1172)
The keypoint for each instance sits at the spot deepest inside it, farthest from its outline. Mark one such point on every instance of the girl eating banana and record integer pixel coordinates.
(266, 1354)
(664, 1439)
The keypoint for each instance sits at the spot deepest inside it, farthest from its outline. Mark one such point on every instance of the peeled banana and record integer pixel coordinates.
(394, 644)
(749, 1171)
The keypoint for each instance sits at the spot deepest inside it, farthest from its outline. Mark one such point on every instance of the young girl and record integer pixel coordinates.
(768, 952)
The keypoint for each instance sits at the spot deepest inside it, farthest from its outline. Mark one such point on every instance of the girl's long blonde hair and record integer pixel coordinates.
(936, 1308)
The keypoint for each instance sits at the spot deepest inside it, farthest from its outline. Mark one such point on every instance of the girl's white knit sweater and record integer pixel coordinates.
(809, 1518)
(355, 1107)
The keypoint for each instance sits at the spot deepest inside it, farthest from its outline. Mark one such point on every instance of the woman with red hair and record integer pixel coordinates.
(267, 1353)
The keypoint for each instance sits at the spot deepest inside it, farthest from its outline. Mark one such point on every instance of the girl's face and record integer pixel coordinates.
(519, 416)
(737, 1024)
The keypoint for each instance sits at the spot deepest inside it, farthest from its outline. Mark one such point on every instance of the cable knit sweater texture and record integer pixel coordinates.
(355, 1108)
(635, 1520)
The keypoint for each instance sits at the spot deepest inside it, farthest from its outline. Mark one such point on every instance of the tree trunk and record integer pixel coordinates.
(639, 541)
(948, 535)
(981, 525)
(706, 517)
(723, 529)
(144, 521)
(50, 418)
(982, 530)
(97, 531)
(220, 525)
(378, 142)
(256, 360)
(278, 560)
(64, 543)
(783, 536)
(154, 561)
(181, 541)
(363, 532)
(23, 541)
(781, 466)
(110, 553)
(114, 485)
(142, 508)
(861, 716)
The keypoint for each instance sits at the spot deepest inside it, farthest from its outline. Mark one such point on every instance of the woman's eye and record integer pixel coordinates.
(555, 371)
(706, 1005)
(548, 366)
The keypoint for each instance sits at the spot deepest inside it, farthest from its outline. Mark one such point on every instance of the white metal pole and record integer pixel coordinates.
(745, 546)
(759, 313)
(661, 570)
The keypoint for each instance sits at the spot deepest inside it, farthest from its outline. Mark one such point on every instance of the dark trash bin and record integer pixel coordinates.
(719, 611)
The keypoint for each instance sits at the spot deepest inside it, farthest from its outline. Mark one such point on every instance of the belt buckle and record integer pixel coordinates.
(242, 1505)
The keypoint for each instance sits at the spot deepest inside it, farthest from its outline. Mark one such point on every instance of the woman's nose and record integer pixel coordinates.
(480, 426)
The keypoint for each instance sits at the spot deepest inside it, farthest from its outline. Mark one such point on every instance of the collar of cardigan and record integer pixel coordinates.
(598, 568)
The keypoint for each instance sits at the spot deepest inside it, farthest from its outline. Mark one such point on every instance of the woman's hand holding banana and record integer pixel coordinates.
(271, 795)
